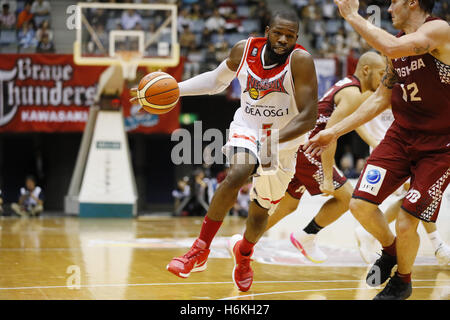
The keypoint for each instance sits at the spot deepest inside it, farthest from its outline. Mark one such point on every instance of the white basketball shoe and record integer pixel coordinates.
(366, 244)
(306, 244)
(443, 254)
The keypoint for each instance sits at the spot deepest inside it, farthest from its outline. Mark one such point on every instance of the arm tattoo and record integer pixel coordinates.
(390, 78)
(420, 50)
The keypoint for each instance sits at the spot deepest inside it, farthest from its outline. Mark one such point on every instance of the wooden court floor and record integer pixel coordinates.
(73, 258)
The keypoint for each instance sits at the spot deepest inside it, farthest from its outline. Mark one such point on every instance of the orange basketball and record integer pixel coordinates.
(158, 92)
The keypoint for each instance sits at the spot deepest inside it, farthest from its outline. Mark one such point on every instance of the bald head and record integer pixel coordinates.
(369, 58)
(369, 70)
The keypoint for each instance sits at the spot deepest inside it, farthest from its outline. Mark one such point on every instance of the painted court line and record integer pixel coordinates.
(319, 290)
(199, 283)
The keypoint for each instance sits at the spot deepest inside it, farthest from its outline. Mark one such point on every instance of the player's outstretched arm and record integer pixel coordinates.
(217, 80)
(347, 101)
(369, 109)
(305, 87)
(429, 37)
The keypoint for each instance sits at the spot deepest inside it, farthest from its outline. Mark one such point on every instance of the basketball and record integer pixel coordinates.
(158, 92)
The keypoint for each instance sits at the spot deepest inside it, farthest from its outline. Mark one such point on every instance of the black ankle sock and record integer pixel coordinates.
(312, 228)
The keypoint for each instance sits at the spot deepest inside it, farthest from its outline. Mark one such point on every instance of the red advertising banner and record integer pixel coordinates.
(50, 93)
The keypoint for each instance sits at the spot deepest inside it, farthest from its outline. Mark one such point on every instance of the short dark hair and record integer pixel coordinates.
(286, 15)
(426, 5)
(31, 177)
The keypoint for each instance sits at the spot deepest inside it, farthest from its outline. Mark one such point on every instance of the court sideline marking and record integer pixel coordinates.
(320, 290)
(205, 283)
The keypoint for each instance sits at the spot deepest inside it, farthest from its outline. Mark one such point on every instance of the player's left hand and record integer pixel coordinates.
(347, 7)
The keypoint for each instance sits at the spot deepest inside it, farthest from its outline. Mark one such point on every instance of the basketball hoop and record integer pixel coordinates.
(129, 61)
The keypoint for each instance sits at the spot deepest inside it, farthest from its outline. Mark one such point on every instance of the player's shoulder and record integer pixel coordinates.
(237, 51)
(301, 60)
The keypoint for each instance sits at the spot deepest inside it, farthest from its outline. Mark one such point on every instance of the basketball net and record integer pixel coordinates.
(129, 61)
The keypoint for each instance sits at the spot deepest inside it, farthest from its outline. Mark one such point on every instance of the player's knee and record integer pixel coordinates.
(237, 177)
(344, 193)
(356, 206)
(406, 224)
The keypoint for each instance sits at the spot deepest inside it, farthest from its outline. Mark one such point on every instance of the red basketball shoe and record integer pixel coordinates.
(242, 272)
(193, 261)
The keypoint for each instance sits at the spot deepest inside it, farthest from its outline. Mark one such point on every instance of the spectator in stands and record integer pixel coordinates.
(181, 193)
(196, 12)
(98, 17)
(360, 163)
(241, 206)
(215, 22)
(184, 19)
(129, 19)
(199, 189)
(341, 48)
(222, 51)
(40, 8)
(44, 29)
(7, 18)
(187, 40)
(219, 37)
(31, 199)
(208, 8)
(233, 23)
(1, 202)
(347, 168)
(45, 45)
(26, 36)
(210, 61)
(25, 15)
(226, 8)
(328, 10)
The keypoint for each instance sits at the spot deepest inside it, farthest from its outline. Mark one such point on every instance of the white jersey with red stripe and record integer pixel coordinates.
(267, 91)
(267, 102)
(378, 126)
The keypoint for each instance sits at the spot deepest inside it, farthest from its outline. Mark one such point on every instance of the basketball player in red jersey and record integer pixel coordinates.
(417, 145)
(278, 94)
(318, 174)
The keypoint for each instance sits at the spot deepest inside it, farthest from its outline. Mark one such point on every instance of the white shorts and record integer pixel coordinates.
(267, 190)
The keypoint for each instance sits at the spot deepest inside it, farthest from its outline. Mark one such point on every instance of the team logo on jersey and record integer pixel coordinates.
(254, 52)
(258, 88)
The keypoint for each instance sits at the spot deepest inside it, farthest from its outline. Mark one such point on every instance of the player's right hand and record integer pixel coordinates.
(317, 144)
(133, 90)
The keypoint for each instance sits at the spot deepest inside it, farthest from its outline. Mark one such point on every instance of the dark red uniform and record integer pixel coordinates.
(418, 143)
(309, 172)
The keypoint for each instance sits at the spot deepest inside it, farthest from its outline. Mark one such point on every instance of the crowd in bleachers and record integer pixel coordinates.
(329, 35)
(27, 25)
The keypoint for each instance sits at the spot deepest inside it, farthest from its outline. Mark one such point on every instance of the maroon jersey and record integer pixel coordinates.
(327, 105)
(421, 98)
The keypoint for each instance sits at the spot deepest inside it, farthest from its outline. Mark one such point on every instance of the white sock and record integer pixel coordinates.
(435, 239)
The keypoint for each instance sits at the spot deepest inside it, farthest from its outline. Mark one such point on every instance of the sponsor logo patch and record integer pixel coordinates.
(372, 179)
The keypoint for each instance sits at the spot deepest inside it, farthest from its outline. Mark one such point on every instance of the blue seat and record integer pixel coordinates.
(250, 25)
(243, 11)
(8, 36)
(198, 26)
(233, 38)
(332, 26)
(39, 19)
